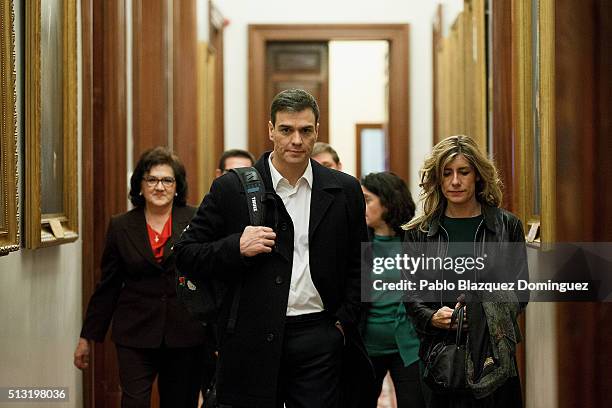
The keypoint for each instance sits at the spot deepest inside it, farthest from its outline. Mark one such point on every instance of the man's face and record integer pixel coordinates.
(294, 136)
(234, 163)
(327, 160)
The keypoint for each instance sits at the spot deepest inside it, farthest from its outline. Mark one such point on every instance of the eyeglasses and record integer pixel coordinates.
(152, 181)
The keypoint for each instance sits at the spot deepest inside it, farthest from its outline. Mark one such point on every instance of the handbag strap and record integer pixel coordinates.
(458, 315)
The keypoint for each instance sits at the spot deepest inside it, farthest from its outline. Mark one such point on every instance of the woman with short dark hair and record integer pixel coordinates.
(388, 334)
(155, 336)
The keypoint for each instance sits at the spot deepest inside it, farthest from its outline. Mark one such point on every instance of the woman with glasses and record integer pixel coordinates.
(154, 335)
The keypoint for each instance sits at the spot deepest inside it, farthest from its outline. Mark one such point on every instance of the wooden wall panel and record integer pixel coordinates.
(87, 175)
(104, 167)
(185, 92)
(436, 39)
(460, 76)
(474, 55)
(216, 25)
(583, 173)
(165, 109)
(206, 142)
(575, 116)
(603, 121)
(502, 98)
(150, 86)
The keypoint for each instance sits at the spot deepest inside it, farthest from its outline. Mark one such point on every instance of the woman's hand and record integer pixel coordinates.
(442, 318)
(81, 354)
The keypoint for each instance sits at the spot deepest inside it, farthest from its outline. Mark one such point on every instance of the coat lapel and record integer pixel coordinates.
(320, 199)
(274, 207)
(181, 216)
(136, 231)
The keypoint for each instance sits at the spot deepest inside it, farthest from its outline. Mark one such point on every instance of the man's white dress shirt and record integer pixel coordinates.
(303, 295)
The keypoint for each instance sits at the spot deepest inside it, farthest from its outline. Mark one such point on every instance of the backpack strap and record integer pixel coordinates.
(255, 192)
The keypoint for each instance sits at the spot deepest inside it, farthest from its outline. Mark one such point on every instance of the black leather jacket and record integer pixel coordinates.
(497, 228)
(501, 307)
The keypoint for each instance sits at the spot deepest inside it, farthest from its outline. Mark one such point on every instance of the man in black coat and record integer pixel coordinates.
(299, 274)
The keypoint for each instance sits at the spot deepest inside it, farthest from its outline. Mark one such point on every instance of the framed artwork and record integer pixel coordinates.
(9, 196)
(51, 123)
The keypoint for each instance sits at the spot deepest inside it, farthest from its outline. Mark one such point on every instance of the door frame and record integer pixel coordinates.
(397, 35)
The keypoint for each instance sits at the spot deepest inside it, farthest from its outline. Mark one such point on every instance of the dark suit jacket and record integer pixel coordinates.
(137, 293)
(210, 249)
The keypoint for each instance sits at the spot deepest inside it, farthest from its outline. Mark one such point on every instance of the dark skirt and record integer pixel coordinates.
(508, 395)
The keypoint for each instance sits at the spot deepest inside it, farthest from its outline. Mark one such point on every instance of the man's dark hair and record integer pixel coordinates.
(293, 100)
(234, 153)
(394, 195)
(151, 158)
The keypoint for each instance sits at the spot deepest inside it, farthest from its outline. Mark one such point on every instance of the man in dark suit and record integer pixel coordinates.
(299, 275)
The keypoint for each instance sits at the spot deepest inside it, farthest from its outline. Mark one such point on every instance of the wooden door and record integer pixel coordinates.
(397, 35)
(298, 65)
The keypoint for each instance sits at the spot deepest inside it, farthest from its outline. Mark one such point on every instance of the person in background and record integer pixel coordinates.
(387, 331)
(326, 156)
(461, 199)
(232, 159)
(155, 336)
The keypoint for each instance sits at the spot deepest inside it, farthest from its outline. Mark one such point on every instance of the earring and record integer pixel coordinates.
(176, 194)
(140, 193)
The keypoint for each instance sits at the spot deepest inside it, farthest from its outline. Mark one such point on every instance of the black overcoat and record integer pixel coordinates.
(137, 293)
(209, 248)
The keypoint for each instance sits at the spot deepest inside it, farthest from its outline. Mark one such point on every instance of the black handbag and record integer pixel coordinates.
(210, 396)
(445, 363)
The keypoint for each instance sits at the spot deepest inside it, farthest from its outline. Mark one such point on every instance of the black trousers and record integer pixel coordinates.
(406, 380)
(311, 362)
(179, 371)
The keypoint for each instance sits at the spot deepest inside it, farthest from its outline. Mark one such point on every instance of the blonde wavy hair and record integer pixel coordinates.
(488, 184)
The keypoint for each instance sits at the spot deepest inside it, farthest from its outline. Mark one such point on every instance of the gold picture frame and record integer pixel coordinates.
(9, 195)
(60, 225)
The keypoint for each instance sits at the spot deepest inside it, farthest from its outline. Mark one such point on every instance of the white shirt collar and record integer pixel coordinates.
(277, 177)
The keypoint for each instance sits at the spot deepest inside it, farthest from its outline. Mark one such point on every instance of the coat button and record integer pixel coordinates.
(284, 226)
(270, 337)
(278, 280)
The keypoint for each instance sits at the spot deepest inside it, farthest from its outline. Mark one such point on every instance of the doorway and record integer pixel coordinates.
(396, 35)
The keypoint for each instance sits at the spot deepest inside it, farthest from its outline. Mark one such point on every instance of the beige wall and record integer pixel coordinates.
(40, 294)
(357, 76)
